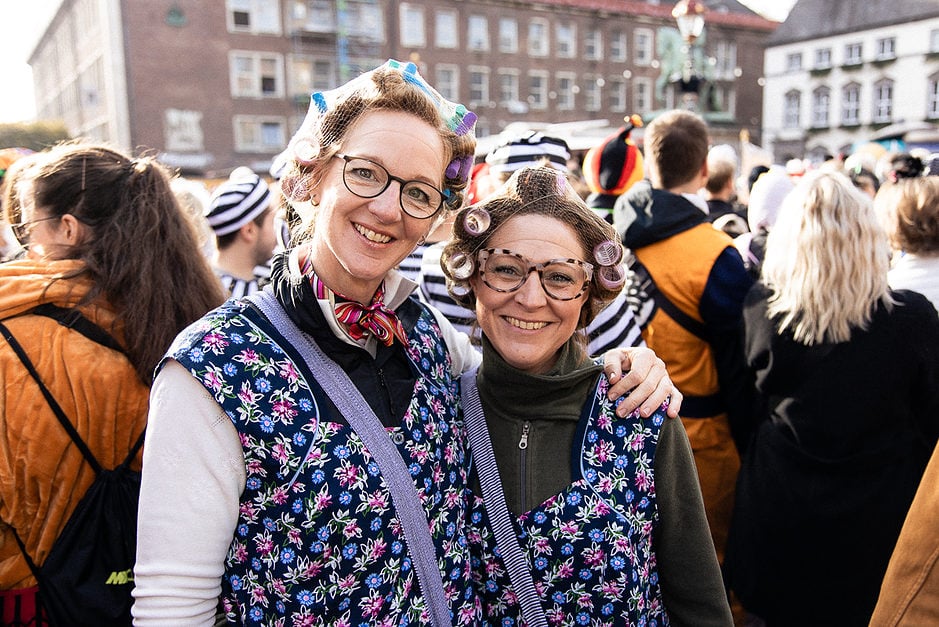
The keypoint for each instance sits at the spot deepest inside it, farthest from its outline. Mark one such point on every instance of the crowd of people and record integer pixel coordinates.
(389, 382)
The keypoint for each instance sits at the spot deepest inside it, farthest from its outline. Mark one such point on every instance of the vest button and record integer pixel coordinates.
(397, 438)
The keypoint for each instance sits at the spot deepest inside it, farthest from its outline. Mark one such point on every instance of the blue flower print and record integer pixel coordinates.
(305, 404)
(590, 475)
(630, 496)
(451, 529)
(230, 369)
(585, 574)
(255, 614)
(196, 355)
(287, 555)
(573, 498)
(558, 597)
(235, 582)
(242, 530)
(262, 385)
(237, 338)
(269, 524)
(318, 476)
(621, 462)
(617, 562)
(267, 425)
(349, 550)
(583, 618)
(345, 498)
(539, 517)
(596, 535)
(280, 607)
(317, 547)
(491, 586)
(507, 622)
(396, 547)
(375, 525)
(373, 580)
(541, 563)
(253, 483)
(591, 436)
(414, 469)
(345, 604)
(607, 609)
(299, 438)
(567, 549)
(323, 533)
(621, 431)
(255, 564)
(416, 434)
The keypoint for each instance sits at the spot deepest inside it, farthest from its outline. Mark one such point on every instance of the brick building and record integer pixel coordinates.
(213, 84)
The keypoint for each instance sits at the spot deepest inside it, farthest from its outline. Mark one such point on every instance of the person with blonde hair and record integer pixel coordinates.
(846, 372)
(909, 211)
(111, 274)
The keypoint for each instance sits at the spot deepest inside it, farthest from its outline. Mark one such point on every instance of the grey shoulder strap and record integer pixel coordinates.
(343, 393)
(503, 530)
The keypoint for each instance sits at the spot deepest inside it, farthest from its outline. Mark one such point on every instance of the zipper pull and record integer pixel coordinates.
(523, 443)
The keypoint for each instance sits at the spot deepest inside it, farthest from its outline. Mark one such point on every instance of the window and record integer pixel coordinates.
(593, 44)
(822, 59)
(593, 91)
(821, 100)
(932, 97)
(538, 90)
(725, 99)
(617, 95)
(725, 55)
(508, 88)
(642, 95)
(316, 16)
(479, 86)
(256, 75)
(445, 29)
(886, 48)
(618, 46)
(883, 101)
(411, 24)
(794, 62)
(508, 35)
(366, 21)
(447, 81)
(182, 131)
(255, 133)
(566, 40)
(254, 16)
(643, 52)
(851, 105)
(538, 38)
(791, 106)
(567, 89)
(853, 54)
(309, 74)
(477, 33)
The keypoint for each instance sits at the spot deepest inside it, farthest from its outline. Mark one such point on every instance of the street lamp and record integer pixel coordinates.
(690, 17)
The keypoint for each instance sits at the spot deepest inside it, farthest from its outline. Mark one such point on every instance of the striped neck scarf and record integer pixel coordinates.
(359, 320)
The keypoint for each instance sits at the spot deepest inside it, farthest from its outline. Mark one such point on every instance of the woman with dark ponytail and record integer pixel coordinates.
(111, 273)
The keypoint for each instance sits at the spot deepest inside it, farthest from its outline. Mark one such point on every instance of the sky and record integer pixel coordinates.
(24, 20)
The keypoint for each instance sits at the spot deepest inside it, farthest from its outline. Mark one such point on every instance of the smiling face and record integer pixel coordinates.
(527, 327)
(356, 240)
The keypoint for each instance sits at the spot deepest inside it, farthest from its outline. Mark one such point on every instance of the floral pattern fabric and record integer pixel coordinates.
(591, 546)
(317, 541)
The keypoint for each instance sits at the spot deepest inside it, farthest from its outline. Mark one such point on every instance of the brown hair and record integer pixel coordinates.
(720, 173)
(141, 251)
(676, 146)
(539, 191)
(909, 211)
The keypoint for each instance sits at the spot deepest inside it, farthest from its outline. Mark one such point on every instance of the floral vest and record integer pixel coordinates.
(590, 547)
(319, 542)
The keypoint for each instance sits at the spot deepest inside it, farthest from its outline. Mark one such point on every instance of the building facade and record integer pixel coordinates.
(840, 73)
(209, 85)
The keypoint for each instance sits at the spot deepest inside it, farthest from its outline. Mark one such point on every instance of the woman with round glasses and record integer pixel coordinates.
(304, 456)
(597, 520)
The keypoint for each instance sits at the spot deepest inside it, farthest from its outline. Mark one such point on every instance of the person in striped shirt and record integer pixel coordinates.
(241, 213)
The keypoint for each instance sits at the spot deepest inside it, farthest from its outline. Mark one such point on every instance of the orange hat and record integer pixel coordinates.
(8, 156)
(615, 164)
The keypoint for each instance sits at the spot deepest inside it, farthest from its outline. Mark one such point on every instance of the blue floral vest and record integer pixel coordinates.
(319, 542)
(590, 547)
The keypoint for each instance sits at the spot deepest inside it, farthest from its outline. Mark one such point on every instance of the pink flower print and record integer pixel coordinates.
(378, 499)
(303, 620)
(451, 499)
(584, 601)
(279, 452)
(313, 570)
(604, 422)
(594, 557)
(254, 467)
(249, 357)
(279, 495)
(352, 529)
(213, 381)
(215, 341)
(285, 410)
(247, 510)
(248, 396)
(635, 441)
(542, 546)
(258, 596)
(348, 474)
(347, 582)
(569, 528)
(378, 549)
(605, 484)
(611, 589)
(241, 553)
(287, 371)
(643, 480)
(279, 587)
(565, 570)
(603, 451)
(323, 500)
(295, 538)
(372, 606)
(265, 545)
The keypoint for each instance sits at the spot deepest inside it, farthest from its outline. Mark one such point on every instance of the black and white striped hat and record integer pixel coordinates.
(531, 149)
(237, 201)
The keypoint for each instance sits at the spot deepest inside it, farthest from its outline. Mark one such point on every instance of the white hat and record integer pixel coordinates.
(237, 201)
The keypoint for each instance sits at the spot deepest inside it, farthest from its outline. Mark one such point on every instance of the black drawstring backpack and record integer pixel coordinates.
(88, 575)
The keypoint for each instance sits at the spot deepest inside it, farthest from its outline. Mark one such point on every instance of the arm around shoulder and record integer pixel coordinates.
(193, 476)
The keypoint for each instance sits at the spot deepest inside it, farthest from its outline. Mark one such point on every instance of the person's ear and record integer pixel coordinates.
(72, 229)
